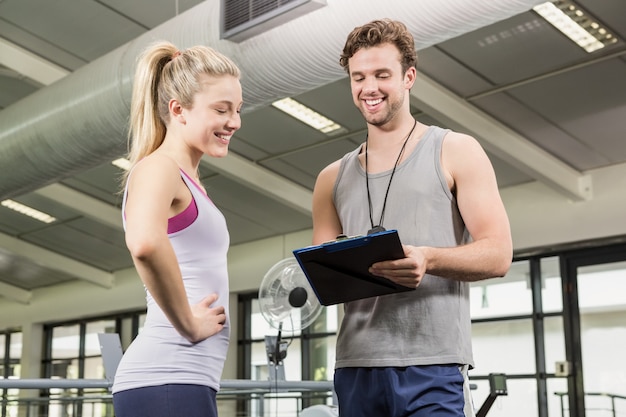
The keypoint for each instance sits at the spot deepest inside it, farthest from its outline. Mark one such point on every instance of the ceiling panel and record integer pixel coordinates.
(599, 92)
(286, 168)
(13, 87)
(24, 37)
(102, 182)
(247, 149)
(280, 132)
(152, 13)
(255, 207)
(242, 229)
(90, 227)
(452, 74)
(303, 166)
(69, 240)
(541, 131)
(62, 212)
(82, 22)
(13, 223)
(497, 51)
(26, 274)
(17, 224)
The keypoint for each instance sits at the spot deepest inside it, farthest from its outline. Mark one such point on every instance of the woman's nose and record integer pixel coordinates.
(234, 122)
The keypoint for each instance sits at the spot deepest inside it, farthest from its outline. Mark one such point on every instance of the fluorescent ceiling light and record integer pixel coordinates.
(28, 211)
(122, 163)
(576, 24)
(307, 115)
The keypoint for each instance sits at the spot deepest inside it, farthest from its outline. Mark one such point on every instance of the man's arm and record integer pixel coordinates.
(326, 224)
(471, 178)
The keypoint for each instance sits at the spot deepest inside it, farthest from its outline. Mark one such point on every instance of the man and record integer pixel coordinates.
(408, 354)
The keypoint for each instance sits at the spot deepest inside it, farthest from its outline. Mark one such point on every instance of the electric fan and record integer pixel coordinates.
(287, 302)
(286, 299)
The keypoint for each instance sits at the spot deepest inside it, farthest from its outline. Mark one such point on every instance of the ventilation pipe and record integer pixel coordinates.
(80, 121)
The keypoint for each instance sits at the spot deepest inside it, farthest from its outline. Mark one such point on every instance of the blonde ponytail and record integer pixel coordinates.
(164, 73)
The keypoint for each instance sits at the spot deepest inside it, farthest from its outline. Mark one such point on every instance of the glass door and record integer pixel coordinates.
(594, 306)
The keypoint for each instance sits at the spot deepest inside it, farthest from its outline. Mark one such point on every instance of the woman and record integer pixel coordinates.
(185, 104)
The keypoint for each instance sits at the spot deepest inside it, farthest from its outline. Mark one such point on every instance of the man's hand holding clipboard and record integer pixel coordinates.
(338, 271)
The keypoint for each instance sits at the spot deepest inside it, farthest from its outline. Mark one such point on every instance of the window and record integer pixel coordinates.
(10, 357)
(72, 351)
(531, 326)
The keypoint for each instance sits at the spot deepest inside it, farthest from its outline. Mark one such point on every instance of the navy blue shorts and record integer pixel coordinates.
(414, 391)
(171, 400)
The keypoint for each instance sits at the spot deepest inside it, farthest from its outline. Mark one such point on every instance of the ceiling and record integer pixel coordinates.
(544, 109)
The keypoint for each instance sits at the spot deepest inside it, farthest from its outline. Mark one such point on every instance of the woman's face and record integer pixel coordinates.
(214, 116)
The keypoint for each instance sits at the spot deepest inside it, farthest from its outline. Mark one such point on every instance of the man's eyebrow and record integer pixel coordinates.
(376, 71)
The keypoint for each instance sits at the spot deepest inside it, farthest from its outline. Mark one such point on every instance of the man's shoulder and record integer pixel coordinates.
(458, 138)
(331, 169)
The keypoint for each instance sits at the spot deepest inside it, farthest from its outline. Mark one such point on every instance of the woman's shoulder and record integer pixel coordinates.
(155, 168)
(157, 164)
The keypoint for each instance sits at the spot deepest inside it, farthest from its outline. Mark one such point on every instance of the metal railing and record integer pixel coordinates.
(609, 410)
(260, 396)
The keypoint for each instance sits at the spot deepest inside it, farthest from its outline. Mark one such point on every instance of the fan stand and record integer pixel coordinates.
(276, 350)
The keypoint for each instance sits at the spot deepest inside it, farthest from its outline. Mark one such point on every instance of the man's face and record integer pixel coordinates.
(378, 83)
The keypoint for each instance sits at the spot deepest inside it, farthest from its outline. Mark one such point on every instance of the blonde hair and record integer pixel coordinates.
(164, 73)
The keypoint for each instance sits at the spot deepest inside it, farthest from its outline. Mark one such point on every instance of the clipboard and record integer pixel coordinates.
(338, 270)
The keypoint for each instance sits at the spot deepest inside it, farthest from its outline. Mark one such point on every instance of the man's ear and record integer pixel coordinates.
(409, 77)
(176, 111)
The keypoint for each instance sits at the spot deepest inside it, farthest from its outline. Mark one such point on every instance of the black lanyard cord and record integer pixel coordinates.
(379, 227)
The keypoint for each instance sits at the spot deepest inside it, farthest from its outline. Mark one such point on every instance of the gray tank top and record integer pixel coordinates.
(432, 324)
